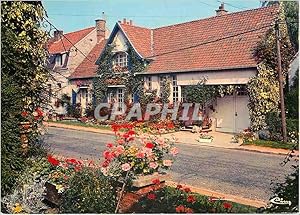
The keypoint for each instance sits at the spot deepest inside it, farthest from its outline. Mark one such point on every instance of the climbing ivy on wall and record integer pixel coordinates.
(263, 89)
(166, 89)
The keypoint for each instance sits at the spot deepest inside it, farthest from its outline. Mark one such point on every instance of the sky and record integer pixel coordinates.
(72, 15)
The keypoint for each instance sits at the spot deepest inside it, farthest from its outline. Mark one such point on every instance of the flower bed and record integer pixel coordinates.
(182, 200)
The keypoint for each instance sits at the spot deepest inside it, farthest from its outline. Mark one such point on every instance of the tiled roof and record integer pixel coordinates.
(140, 37)
(87, 68)
(63, 44)
(200, 45)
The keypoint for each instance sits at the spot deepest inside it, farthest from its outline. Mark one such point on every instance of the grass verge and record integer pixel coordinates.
(271, 144)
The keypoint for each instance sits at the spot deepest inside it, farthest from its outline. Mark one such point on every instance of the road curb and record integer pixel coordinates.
(228, 197)
(79, 128)
(242, 149)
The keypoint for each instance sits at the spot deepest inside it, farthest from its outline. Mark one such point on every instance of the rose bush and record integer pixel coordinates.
(136, 153)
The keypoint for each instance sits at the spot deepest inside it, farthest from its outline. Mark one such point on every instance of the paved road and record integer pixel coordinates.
(236, 172)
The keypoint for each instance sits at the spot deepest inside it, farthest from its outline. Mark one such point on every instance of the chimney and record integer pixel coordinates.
(124, 21)
(100, 27)
(221, 11)
(130, 22)
(57, 35)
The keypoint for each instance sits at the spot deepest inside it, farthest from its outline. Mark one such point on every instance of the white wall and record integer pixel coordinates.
(216, 77)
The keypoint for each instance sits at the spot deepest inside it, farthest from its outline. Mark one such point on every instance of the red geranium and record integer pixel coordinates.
(131, 132)
(191, 199)
(180, 209)
(72, 161)
(188, 190)
(156, 181)
(179, 186)
(24, 114)
(53, 161)
(227, 205)
(109, 145)
(151, 196)
(149, 145)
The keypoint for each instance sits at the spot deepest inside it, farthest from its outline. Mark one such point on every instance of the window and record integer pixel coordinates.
(58, 60)
(175, 89)
(149, 82)
(121, 59)
(59, 85)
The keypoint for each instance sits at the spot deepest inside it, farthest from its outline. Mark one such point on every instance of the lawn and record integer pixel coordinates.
(78, 123)
(269, 143)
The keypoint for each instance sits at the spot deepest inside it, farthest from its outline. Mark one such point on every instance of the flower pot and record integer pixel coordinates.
(141, 187)
(146, 180)
(202, 140)
(52, 194)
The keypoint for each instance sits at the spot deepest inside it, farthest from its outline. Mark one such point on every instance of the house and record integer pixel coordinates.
(218, 48)
(67, 52)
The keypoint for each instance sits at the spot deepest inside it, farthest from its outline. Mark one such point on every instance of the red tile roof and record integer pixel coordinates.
(140, 37)
(200, 45)
(63, 44)
(87, 68)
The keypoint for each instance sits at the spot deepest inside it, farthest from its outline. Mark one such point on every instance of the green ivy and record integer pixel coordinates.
(130, 79)
(23, 83)
(263, 89)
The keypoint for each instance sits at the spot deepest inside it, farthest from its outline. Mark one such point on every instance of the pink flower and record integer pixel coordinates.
(140, 155)
(174, 151)
(119, 150)
(167, 163)
(153, 165)
(120, 141)
(126, 167)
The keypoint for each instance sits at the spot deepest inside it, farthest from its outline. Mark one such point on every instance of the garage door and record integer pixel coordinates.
(232, 114)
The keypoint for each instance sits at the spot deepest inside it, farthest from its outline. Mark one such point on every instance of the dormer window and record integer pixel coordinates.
(120, 59)
(58, 60)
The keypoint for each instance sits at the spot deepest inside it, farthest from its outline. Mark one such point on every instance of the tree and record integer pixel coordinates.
(23, 77)
(291, 9)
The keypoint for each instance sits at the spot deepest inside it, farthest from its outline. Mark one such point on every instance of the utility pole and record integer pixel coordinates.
(280, 79)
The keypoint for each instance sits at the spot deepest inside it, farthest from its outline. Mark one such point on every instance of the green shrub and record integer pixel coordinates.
(273, 122)
(89, 192)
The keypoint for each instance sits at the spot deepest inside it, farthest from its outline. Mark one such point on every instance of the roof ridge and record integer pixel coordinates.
(214, 17)
(136, 26)
(78, 30)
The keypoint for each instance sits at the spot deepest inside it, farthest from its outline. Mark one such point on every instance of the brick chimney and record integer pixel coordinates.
(57, 35)
(221, 11)
(100, 27)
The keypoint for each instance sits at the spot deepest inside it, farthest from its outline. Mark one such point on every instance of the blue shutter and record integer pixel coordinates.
(74, 94)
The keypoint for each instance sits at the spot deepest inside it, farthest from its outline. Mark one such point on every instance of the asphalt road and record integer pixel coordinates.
(242, 173)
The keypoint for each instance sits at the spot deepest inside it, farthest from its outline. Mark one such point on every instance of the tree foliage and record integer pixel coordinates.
(200, 93)
(264, 88)
(23, 77)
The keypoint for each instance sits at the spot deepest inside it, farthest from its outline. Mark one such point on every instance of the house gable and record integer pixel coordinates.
(120, 38)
